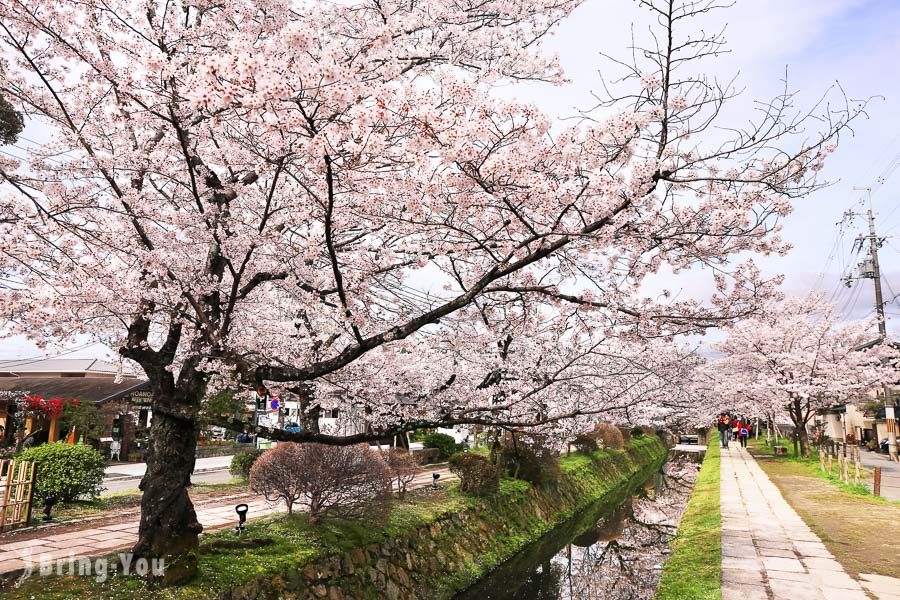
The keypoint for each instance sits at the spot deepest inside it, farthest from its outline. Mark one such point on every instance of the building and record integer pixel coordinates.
(123, 402)
(862, 420)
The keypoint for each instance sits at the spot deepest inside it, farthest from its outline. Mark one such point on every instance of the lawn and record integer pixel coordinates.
(854, 525)
(694, 569)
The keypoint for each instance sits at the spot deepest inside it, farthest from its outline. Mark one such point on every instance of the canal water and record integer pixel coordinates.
(614, 550)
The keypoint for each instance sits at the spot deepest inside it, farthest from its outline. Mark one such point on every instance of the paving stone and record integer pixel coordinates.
(834, 580)
(742, 591)
(776, 553)
(837, 594)
(775, 544)
(884, 588)
(743, 550)
(824, 564)
(745, 564)
(730, 576)
(783, 589)
(783, 564)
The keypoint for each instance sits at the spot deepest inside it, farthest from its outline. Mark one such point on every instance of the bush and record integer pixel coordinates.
(445, 444)
(344, 481)
(478, 475)
(585, 443)
(528, 457)
(626, 434)
(64, 472)
(242, 462)
(403, 467)
(637, 432)
(609, 436)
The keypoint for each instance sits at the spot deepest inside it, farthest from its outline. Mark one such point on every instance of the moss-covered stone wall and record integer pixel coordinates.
(439, 559)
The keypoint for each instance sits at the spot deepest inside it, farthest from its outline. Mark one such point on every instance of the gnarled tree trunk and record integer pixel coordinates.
(799, 414)
(169, 527)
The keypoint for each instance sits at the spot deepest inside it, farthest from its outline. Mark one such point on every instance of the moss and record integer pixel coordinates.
(276, 549)
(694, 569)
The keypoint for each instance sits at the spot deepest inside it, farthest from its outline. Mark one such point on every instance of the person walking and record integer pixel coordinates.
(744, 433)
(724, 434)
(735, 428)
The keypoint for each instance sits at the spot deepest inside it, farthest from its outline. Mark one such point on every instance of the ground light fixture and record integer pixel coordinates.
(241, 510)
(434, 480)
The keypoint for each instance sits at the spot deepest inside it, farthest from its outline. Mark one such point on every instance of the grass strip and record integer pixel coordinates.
(694, 569)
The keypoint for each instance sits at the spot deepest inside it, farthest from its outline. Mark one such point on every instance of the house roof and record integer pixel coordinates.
(86, 389)
(57, 365)
(876, 341)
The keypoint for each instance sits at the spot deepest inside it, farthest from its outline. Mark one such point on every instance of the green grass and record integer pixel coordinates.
(694, 569)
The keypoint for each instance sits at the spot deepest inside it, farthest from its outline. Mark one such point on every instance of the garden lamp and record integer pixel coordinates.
(435, 477)
(241, 510)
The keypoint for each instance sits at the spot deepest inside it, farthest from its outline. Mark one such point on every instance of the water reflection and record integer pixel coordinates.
(614, 555)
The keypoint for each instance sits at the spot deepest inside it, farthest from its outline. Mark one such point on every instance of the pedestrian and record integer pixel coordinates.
(724, 434)
(745, 433)
(735, 428)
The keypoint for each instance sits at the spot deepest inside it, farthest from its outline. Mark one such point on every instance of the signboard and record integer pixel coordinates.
(274, 404)
(142, 397)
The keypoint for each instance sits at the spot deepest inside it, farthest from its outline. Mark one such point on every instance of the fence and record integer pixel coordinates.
(16, 491)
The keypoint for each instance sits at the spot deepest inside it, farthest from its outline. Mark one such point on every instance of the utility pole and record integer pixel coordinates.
(875, 275)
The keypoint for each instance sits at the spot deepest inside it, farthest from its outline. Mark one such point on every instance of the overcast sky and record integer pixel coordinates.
(819, 42)
(855, 42)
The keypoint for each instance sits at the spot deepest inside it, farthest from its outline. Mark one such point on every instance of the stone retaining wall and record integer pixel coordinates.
(438, 560)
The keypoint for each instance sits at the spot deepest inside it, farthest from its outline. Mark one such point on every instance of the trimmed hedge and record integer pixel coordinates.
(242, 462)
(65, 472)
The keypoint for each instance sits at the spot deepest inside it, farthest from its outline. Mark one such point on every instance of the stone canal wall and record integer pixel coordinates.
(438, 560)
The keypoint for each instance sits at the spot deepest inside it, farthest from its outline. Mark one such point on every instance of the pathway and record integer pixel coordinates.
(105, 539)
(768, 552)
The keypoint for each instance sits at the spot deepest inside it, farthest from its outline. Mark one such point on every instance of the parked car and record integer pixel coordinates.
(293, 428)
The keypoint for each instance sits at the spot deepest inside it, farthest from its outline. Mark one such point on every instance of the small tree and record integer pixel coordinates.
(531, 458)
(85, 417)
(478, 474)
(403, 467)
(609, 435)
(345, 481)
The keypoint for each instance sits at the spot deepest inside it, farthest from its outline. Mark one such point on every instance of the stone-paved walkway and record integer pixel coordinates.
(106, 539)
(768, 552)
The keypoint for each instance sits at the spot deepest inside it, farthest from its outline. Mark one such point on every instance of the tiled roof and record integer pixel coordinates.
(57, 365)
(86, 389)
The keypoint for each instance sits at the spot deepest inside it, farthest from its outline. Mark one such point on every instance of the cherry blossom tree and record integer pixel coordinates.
(318, 194)
(797, 357)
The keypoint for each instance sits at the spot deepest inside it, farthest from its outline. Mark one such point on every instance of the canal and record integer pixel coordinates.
(614, 550)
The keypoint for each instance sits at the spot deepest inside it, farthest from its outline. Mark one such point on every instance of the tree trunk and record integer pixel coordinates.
(169, 527)
(803, 438)
(795, 409)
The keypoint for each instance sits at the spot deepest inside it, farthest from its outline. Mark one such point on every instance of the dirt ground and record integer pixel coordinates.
(860, 531)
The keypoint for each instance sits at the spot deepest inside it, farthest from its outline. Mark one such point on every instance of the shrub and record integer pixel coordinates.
(64, 472)
(445, 444)
(528, 457)
(585, 443)
(344, 481)
(626, 434)
(242, 462)
(609, 435)
(637, 431)
(477, 473)
(403, 468)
